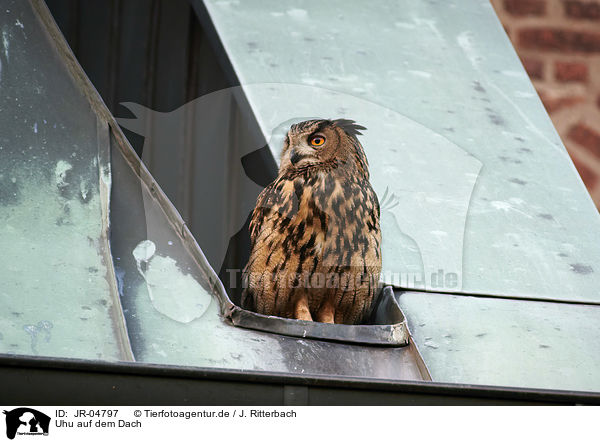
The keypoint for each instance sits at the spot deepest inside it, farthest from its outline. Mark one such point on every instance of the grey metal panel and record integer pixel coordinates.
(65, 382)
(505, 342)
(456, 134)
(57, 296)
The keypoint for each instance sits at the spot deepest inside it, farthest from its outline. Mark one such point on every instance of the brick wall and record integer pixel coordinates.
(559, 44)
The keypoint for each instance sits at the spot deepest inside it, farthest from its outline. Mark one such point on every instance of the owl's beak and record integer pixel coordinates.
(295, 157)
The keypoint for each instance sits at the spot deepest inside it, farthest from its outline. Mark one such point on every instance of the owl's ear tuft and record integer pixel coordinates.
(349, 126)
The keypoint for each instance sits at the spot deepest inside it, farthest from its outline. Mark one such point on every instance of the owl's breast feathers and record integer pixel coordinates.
(310, 226)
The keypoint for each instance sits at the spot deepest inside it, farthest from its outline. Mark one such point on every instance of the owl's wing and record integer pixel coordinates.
(272, 202)
(372, 202)
(258, 213)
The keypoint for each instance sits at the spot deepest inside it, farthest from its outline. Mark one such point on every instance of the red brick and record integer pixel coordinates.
(561, 40)
(522, 8)
(554, 104)
(534, 67)
(582, 10)
(570, 71)
(588, 175)
(586, 137)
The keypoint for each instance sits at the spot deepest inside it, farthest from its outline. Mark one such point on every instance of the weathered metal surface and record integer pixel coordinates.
(506, 342)
(488, 199)
(525, 206)
(57, 293)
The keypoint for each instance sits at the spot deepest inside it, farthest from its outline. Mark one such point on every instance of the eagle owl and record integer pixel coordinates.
(315, 230)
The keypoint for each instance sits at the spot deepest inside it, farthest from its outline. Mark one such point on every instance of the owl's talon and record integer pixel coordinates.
(326, 314)
(301, 310)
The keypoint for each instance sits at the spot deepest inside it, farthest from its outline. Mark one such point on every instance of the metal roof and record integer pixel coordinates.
(491, 341)
(473, 179)
(152, 264)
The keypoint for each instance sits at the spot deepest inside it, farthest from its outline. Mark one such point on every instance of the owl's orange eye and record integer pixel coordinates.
(317, 140)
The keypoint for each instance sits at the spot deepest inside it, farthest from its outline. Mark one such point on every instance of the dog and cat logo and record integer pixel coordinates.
(26, 422)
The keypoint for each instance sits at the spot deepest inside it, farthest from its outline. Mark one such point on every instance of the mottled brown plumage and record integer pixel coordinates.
(315, 230)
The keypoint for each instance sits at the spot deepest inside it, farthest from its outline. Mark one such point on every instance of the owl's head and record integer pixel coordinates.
(324, 142)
